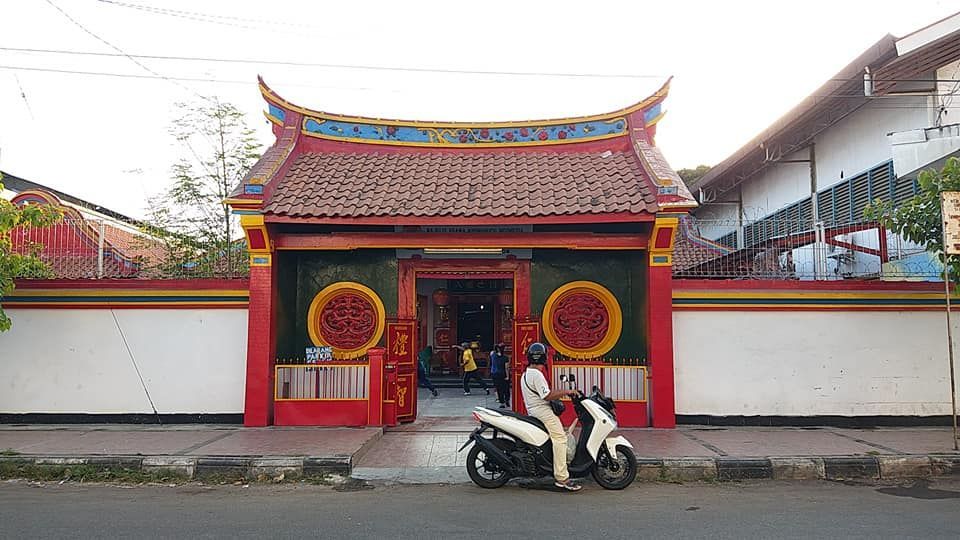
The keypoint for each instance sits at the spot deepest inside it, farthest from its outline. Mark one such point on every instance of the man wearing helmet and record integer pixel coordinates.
(536, 396)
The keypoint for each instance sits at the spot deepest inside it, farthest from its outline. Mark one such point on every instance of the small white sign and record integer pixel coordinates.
(950, 208)
(319, 354)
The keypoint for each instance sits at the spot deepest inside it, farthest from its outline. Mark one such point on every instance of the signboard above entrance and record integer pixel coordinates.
(477, 285)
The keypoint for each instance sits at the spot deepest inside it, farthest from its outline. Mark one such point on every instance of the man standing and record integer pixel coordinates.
(423, 370)
(470, 370)
(536, 396)
(498, 371)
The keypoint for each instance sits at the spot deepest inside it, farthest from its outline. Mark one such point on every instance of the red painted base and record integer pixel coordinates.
(629, 415)
(320, 413)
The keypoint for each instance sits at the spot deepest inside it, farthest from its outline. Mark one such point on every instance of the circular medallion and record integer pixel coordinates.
(582, 319)
(348, 317)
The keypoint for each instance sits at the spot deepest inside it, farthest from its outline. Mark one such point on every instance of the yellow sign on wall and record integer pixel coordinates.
(950, 208)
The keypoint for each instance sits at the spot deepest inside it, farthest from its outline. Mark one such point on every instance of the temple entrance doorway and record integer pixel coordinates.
(475, 311)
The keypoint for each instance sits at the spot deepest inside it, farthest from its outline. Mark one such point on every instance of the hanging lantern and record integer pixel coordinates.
(441, 297)
(505, 298)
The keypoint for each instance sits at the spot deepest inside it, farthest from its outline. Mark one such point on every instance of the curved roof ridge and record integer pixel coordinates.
(650, 101)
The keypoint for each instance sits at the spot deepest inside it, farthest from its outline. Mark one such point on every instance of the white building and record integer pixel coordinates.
(864, 134)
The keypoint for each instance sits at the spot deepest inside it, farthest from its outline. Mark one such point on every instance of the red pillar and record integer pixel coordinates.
(378, 395)
(662, 398)
(660, 317)
(261, 342)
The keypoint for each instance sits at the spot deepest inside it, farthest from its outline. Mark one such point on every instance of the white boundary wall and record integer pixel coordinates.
(806, 363)
(75, 361)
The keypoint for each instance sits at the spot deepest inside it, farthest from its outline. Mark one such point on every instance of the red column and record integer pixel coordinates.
(660, 325)
(261, 342)
(662, 399)
(376, 395)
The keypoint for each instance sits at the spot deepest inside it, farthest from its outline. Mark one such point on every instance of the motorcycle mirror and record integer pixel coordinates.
(572, 378)
(594, 389)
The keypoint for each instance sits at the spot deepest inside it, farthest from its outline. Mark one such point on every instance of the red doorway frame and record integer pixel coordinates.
(518, 270)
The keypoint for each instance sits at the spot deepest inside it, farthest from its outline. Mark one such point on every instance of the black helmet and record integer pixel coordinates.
(537, 353)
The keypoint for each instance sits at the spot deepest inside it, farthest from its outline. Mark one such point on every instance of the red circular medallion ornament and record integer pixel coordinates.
(580, 320)
(348, 321)
(347, 316)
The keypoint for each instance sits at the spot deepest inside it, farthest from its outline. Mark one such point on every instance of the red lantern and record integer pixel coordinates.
(505, 298)
(441, 297)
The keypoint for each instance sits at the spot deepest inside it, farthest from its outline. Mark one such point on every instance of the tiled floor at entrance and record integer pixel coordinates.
(451, 403)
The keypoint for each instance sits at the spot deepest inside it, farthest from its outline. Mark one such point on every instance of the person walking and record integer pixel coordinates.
(470, 370)
(498, 370)
(423, 370)
(537, 396)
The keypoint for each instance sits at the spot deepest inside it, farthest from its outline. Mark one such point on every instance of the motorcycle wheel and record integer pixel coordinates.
(483, 470)
(616, 472)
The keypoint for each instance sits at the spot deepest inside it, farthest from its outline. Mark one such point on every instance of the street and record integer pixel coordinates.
(728, 510)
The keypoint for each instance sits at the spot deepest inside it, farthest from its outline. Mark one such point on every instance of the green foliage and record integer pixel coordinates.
(690, 176)
(20, 265)
(918, 219)
(197, 233)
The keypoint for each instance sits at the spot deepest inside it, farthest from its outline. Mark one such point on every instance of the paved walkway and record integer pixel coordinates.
(184, 440)
(426, 451)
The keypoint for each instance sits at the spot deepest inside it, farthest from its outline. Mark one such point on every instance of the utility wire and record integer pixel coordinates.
(204, 17)
(24, 96)
(336, 66)
(119, 50)
(187, 79)
(371, 89)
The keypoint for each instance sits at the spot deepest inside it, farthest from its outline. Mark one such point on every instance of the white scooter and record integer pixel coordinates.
(520, 445)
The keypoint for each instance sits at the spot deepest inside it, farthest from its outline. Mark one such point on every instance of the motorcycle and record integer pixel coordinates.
(520, 446)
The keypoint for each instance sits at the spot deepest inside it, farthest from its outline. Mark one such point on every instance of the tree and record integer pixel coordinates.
(20, 265)
(690, 176)
(190, 217)
(918, 219)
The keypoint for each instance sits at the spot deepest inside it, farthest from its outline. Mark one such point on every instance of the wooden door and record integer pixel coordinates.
(402, 354)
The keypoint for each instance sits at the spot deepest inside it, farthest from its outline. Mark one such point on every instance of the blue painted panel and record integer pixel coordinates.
(651, 114)
(253, 189)
(277, 112)
(456, 136)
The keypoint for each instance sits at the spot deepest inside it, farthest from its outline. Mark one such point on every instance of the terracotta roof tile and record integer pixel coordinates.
(421, 184)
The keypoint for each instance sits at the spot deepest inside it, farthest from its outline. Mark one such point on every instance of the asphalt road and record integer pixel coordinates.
(756, 510)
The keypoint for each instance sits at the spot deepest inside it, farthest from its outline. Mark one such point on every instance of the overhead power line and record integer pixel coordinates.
(119, 50)
(334, 66)
(186, 79)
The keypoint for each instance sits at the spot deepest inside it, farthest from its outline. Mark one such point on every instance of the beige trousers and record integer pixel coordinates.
(559, 439)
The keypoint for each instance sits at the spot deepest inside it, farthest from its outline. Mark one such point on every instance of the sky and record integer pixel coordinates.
(736, 65)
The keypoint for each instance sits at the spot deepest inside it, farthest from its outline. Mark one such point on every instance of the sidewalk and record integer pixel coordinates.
(191, 451)
(426, 452)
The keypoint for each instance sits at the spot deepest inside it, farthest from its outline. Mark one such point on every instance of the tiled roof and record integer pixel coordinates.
(691, 250)
(462, 184)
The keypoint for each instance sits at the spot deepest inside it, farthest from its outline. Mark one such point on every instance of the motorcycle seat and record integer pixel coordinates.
(528, 419)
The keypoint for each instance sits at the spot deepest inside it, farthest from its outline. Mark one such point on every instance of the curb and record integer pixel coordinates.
(725, 469)
(682, 469)
(189, 468)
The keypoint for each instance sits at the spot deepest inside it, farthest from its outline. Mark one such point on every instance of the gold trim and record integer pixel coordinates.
(610, 303)
(466, 146)
(273, 97)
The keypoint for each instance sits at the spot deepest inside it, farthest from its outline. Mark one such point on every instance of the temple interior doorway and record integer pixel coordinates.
(453, 310)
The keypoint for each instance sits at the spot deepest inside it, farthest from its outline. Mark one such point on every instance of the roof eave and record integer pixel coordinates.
(849, 77)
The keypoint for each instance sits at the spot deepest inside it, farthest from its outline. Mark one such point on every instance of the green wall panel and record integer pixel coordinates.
(623, 273)
(315, 270)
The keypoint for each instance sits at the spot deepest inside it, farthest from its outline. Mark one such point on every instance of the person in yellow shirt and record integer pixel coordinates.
(470, 370)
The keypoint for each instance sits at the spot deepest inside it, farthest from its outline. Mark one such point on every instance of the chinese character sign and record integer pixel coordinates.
(400, 346)
(950, 206)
